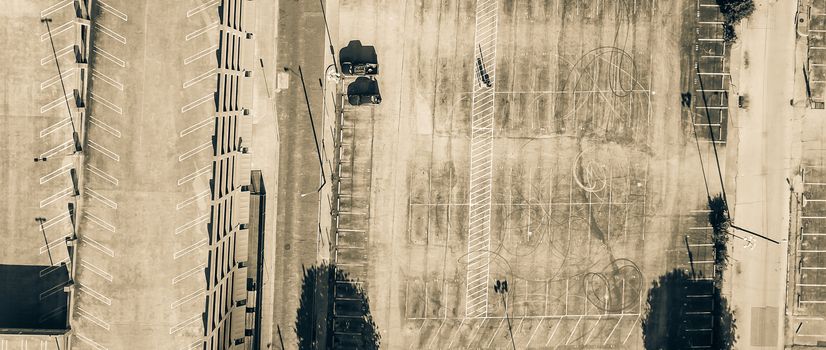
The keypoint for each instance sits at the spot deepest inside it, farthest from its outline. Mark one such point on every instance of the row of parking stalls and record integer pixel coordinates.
(349, 209)
(80, 95)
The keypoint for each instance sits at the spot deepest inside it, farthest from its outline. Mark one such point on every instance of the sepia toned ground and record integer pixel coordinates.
(595, 181)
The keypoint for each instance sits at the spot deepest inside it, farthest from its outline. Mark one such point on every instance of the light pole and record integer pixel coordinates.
(312, 125)
(329, 38)
(75, 137)
(501, 288)
(40, 220)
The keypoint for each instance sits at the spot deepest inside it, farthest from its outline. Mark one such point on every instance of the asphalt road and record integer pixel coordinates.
(300, 42)
(762, 195)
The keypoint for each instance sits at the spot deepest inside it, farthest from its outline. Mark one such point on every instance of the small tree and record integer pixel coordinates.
(719, 221)
(734, 11)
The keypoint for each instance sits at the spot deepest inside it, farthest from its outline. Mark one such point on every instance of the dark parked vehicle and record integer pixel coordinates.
(351, 68)
(357, 59)
(364, 90)
(481, 71)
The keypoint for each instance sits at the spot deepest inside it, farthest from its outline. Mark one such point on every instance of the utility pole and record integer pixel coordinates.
(41, 220)
(75, 136)
(329, 38)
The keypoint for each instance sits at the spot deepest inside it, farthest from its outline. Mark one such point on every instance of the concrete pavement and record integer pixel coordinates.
(756, 277)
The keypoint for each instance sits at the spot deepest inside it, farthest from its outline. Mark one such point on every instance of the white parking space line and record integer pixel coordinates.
(100, 222)
(48, 177)
(101, 198)
(189, 297)
(108, 8)
(200, 8)
(188, 273)
(194, 345)
(50, 58)
(54, 221)
(97, 245)
(98, 123)
(190, 177)
(56, 150)
(65, 27)
(105, 54)
(111, 33)
(202, 53)
(94, 319)
(106, 152)
(183, 252)
(199, 220)
(204, 123)
(106, 103)
(103, 175)
(57, 196)
(59, 101)
(183, 324)
(51, 291)
(107, 79)
(54, 243)
(198, 102)
(206, 75)
(194, 151)
(55, 127)
(96, 270)
(190, 200)
(56, 79)
(90, 342)
(54, 8)
(203, 30)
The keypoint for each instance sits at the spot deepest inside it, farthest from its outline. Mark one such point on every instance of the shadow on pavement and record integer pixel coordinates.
(679, 315)
(343, 324)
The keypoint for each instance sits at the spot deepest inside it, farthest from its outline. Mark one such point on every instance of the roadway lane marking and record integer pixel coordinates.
(190, 177)
(190, 200)
(199, 220)
(64, 51)
(48, 177)
(56, 79)
(189, 297)
(112, 131)
(100, 173)
(178, 327)
(90, 342)
(97, 245)
(194, 151)
(106, 103)
(200, 8)
(65, 27)
(96, 270)
(57, 196)
(54, 127)
(106, 201)
(191, 272)
(107, 79)
(111, 33)
(189, 249)
(105, 54)
(106, 152)
(204, 123)
(99, 221)
(59, 101)
(203, 30)
(206, 75)
(108, 8)
(208, 97)
(54, 8)
(87, 315)
(202, 53)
